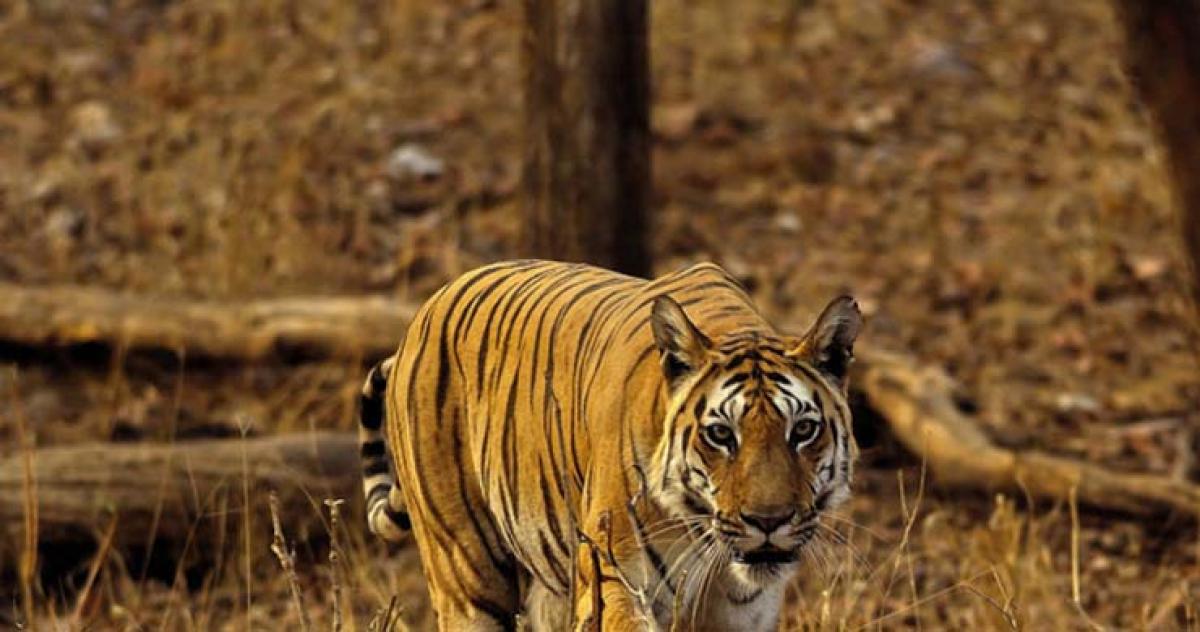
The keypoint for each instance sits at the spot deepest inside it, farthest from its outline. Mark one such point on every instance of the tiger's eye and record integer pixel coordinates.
(803, 432)
(719, 435)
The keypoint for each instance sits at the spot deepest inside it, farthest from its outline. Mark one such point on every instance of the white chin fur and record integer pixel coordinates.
(752, 576)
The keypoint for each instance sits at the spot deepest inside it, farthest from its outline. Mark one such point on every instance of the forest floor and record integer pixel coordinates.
(978, 174)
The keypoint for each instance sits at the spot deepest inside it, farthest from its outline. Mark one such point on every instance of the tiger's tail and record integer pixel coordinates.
(387, 516)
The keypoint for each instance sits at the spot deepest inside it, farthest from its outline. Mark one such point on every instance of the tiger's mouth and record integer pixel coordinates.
(765, 556)
(770, 556)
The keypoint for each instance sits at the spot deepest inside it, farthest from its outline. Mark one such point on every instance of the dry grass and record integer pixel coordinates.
(977, 173)
(924, 562)
(29, 549)
(1006, 571)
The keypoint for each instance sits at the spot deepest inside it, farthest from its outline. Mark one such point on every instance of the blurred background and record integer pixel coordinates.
(981, 175)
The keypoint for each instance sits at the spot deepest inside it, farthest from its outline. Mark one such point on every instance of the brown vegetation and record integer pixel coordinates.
(979, 174)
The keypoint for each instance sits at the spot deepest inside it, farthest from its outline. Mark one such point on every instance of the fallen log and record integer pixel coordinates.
(918, 405)
(172, 489)
(178, 493)
(193, 489)
(306, 327)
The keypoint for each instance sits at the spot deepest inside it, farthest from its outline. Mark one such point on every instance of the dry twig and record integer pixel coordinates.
(335, 560)
(287, 561)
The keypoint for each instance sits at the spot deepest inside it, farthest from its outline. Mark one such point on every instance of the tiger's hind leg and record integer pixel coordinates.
(473, 578)
(473, 581)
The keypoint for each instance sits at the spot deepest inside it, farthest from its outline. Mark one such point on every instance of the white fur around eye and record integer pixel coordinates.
(804, 431)
(725, 409)
(795, 400)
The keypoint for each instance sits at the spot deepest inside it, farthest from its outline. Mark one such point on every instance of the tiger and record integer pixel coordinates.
(574, 448)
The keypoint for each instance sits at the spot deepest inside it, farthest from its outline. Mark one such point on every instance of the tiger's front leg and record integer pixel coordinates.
(602, 600)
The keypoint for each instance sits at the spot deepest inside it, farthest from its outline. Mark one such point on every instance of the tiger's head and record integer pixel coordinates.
(757, 442)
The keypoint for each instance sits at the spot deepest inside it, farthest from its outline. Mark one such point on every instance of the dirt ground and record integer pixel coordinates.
(977, 173)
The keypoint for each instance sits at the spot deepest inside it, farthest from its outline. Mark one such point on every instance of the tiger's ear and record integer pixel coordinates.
(829, 344)
(681, 346)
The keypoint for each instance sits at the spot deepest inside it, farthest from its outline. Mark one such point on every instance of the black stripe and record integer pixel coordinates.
(495, 611)
(736, 378)
(399, 518)
(508, 441)
(694, 504)
(822, 500)
(374, 468)
(378, 379)
(552, 515)
(556, 567)
(659, 565)
(683, 438)
(443, 374)
(370, 412)
(500, 560)
(372, 449)
(775, 377)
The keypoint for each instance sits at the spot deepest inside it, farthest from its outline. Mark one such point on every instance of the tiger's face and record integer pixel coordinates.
(758, 440)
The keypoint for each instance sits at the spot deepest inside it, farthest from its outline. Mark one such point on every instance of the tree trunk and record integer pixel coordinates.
(1163, 45)
(587, 130)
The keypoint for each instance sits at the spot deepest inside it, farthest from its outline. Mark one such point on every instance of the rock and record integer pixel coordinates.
(411, 160)
(1076, 403)
(939, 61)
(787, 222)
(1148, 268)
(62, 227)
(93, 125)
(674, 122)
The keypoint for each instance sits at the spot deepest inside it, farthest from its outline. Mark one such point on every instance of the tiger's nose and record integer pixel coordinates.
(768, 522)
